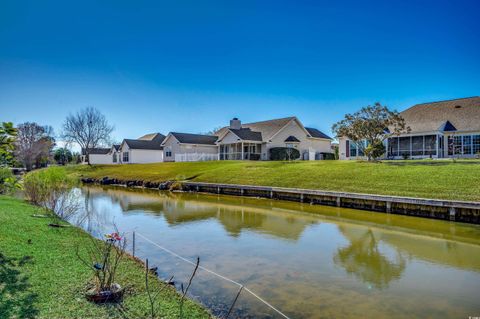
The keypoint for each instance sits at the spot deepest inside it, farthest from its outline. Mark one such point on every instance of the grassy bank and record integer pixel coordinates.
(41, 277)
(443, 179)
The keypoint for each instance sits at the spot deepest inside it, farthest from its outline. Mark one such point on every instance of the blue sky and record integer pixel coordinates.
(192, 65)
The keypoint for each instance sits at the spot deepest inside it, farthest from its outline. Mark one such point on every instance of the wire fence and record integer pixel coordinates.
(242, 289)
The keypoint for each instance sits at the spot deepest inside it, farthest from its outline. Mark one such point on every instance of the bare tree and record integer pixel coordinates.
(34, 144)
(88, 128)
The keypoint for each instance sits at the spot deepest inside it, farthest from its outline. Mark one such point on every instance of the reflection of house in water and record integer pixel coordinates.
(232, 214)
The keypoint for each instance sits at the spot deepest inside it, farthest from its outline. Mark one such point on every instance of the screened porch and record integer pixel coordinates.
(415, 146)
(241, 151)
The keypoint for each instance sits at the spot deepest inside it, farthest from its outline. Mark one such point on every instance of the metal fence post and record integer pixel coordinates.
(133, 248)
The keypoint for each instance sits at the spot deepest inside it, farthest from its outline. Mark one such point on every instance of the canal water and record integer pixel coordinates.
(308, 261)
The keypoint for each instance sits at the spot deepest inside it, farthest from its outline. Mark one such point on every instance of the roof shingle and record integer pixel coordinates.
(188, 138)
(317, 133)
(463, 114)
(247, 134)
(152, 142)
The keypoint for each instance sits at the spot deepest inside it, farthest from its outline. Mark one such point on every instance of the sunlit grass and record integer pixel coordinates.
(443, 179)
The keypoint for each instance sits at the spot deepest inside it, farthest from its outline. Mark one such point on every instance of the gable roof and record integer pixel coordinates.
(247, 134)
(317, 133)
(116, 146)
(447, 127)
(463, 114)
(148, 137)
(149, 142)
(187, 138)
(292, 138)
(97, 151)
(268, 129)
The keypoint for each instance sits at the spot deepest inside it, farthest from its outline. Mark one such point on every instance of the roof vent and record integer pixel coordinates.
(458, 106)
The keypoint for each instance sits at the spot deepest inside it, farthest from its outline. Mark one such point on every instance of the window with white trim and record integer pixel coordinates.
(168, 152)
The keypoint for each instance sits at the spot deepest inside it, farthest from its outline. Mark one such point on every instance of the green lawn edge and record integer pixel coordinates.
(436, 179)
(41, 277)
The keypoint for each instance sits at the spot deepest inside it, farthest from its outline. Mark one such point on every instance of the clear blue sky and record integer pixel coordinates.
(192, 65)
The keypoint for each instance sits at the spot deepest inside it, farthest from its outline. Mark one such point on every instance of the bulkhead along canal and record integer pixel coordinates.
(307, 261)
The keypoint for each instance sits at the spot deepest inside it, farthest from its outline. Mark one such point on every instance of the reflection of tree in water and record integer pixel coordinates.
(364, 259)
(90, 217)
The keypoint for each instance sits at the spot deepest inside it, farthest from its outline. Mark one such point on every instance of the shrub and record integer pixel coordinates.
(8, 182)
(51, 189)
(284, 154)
(375, 150)
(103, 259)
(328, 156)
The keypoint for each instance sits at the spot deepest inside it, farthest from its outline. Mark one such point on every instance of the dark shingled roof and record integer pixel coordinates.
(146, 144)
(188, 138)
(292, 139)
(97, 150)
(116, 146)
(316, 133)
(247, 134)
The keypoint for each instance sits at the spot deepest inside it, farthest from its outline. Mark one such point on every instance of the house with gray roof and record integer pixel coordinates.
(253, 141)
(249, 141)
(145, 149)
(187, 147)
(437, 130)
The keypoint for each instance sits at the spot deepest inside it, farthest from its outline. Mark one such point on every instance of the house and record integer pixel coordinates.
(145, 149)
(186, 147)
(253, 141)
(97, 156)
(438, 130)
(115, 154)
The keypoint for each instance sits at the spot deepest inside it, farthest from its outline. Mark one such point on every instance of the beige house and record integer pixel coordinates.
(253, 141)
(145, 149)
(186, 147)
(438, 130)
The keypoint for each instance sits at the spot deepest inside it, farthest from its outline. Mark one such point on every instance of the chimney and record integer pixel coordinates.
(235, 123)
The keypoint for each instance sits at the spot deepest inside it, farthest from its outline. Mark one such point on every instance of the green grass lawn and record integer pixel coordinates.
(45, 279)
(443, 179)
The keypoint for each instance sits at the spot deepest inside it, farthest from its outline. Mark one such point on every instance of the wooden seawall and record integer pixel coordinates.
(460, 211)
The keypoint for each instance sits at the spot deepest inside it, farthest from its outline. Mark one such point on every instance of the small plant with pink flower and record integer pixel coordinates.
(103, 258)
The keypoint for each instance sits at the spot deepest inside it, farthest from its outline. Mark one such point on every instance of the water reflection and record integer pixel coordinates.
(364, 258)
(310, 260)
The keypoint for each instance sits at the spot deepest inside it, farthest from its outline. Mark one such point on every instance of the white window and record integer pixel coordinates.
(168, 151)
(114, 157)
(125, 157)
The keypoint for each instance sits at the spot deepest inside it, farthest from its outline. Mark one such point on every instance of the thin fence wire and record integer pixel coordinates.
(242, 287)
